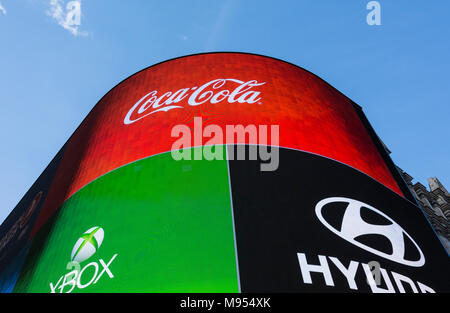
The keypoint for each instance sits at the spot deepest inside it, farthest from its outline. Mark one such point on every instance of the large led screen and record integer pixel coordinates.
(222, 172)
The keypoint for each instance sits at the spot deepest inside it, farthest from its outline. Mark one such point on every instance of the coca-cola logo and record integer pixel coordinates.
(215, 91)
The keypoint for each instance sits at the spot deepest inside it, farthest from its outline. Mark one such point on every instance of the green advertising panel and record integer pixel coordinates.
(155, 225)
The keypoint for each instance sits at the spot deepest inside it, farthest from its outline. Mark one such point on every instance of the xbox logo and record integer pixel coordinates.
(84, 248)
(87, 244)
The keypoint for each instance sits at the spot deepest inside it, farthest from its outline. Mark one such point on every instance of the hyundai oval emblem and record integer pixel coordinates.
(354, 226)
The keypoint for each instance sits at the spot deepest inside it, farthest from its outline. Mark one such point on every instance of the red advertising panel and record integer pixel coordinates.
(134, 120)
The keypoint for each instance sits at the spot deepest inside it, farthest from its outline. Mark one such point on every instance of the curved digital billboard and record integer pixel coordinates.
(221, 172)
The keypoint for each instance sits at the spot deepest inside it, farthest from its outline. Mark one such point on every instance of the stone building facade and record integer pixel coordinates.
(435, 202)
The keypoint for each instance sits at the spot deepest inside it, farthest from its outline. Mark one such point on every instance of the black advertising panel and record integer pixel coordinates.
(317, 225)
(16, 229)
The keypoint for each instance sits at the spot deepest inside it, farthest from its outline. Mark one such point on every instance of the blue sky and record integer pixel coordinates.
(51, 76)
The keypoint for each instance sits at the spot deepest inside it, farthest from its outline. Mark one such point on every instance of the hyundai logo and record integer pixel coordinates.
(353, 226)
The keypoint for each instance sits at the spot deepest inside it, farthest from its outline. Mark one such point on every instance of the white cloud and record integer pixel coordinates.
(68, 15)
(2, 9)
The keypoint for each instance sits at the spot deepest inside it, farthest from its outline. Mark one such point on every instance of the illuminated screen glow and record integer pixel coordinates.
(313, 117)
(115, 212)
